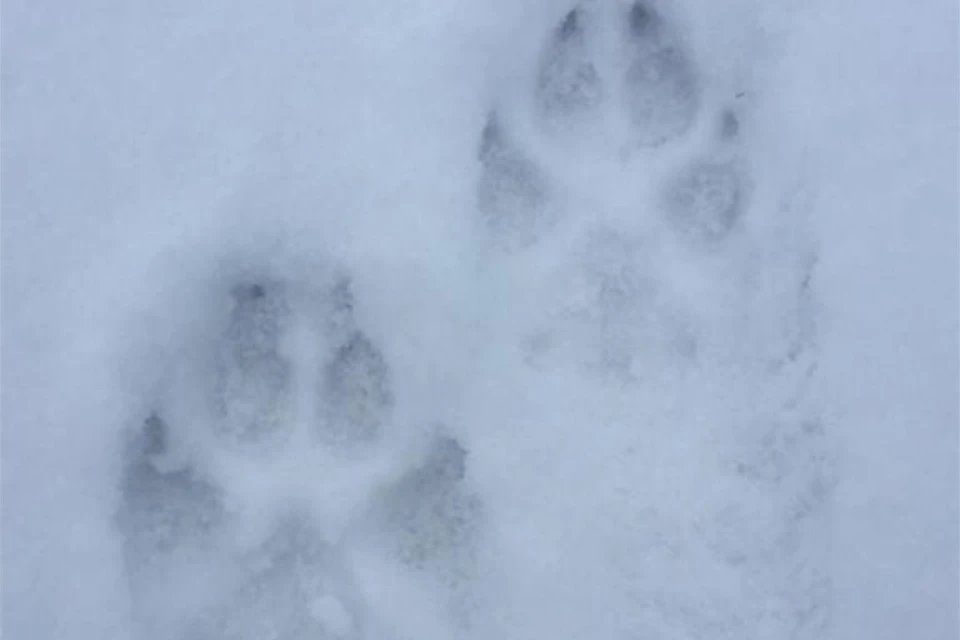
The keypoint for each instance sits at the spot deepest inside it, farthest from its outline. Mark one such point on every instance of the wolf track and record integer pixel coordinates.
(619, 157)
(290, 578)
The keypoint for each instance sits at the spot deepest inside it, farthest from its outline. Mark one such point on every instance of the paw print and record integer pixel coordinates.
(637, 105)
(288, 574)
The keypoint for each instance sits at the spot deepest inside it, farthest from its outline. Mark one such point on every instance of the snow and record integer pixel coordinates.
(889, 227)
(738, 420)
(334, 616)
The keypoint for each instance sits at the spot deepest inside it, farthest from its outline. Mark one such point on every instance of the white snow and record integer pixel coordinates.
(334, 617)
(886, 166)
(152, 153)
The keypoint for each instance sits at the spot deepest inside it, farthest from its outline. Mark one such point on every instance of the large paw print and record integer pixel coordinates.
(622, 159)
(636, 106)
(208, 557)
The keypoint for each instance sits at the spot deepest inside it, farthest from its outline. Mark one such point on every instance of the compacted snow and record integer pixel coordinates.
(499, 320)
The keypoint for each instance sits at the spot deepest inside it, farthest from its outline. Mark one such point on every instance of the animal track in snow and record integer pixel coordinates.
(642, 100)
(642, 180)
(298, 396)
(287, 576)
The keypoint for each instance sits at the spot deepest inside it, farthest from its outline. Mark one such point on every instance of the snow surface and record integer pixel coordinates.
(480, 320)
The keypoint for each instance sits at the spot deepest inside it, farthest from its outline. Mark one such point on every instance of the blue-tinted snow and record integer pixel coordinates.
(443, 320)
